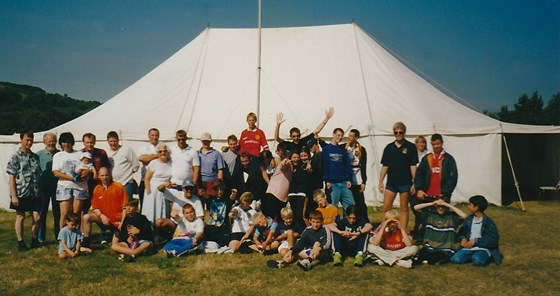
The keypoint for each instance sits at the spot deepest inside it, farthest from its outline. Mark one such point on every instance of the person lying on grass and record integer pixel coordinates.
(263, 229)
(188, 234)
(136, 234)
(314, 244)
(480, 239)
(70, 239)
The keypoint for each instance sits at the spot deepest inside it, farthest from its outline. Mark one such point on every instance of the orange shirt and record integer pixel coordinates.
(110, 201)
(330, 214)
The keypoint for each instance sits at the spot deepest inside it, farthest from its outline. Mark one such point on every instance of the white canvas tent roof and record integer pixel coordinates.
(211, 84)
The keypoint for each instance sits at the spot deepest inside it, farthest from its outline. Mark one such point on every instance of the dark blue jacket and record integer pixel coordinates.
(449, 175)
(489, 239)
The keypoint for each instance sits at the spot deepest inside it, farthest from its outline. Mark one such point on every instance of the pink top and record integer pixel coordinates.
(279, 184)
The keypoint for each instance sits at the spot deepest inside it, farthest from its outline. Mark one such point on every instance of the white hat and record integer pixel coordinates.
(86, 155)
(206, 136)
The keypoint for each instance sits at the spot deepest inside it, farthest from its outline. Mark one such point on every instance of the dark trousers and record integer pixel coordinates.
(297, 203)
(271, 206)
(349, 248)
(48, 197)
(360, 201)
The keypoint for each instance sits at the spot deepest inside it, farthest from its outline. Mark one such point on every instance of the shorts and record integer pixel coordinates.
(65, 193)
(236, 236)
(284, 245)
(399, 188)
(136, 244)
(29, 204)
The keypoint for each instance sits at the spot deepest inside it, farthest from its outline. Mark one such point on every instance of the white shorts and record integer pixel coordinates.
(283, 245)
(65, 193)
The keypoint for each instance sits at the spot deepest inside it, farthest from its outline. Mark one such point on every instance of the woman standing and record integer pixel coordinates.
(157, 172)
(71, 192)
(399, 165)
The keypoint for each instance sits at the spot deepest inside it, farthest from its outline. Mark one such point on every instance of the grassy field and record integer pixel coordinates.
(530, 242)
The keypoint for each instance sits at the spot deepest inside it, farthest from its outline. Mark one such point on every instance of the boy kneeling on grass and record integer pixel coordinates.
(314, 244)
(70, 239)
(188, 233)
(136, 234)
(478, 235)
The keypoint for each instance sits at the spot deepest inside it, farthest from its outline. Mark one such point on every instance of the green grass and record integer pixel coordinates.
(530, 242)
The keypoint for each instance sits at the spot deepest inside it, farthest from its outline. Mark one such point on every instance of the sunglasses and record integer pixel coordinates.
(162, 151)
(398, 133)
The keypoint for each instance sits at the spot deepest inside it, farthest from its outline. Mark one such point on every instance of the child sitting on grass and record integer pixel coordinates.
(188, 234)
(136, 234)
(440, 219)
(263, 229)
(329, 211)
(480, 241)
(287, 231)
(314, 244)
(217, 227)
(70, 239)
(241, 217)
(350, 237)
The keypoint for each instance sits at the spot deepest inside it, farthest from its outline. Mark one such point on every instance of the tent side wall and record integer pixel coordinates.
(536, 162)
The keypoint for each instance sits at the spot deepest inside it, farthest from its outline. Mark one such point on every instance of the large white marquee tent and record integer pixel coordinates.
(213, 82)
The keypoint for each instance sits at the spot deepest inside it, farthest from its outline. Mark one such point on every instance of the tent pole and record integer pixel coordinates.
(259, 62)
(512, 171)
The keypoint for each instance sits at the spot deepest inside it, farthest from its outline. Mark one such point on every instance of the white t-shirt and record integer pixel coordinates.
(179, 200)
(124, 164)
(161, 171)
(146, 149)
(243, 220)
(182, 163)
(67, 163)
(190, 229)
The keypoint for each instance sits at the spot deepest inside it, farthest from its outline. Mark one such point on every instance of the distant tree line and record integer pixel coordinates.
(531, 110)
(24, 107)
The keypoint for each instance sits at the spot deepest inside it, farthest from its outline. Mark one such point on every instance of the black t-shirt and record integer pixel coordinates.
(141, 222)
(344, 225)
(281, 228)
(399, 160)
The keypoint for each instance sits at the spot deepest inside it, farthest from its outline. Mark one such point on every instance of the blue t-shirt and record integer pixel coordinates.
(71, 237)
(217, 212)
(262, 232)
(282, 228)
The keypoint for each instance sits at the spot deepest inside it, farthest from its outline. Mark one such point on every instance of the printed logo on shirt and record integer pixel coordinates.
(257, 137)
(435, 170)
(335, 157)
(405, 151)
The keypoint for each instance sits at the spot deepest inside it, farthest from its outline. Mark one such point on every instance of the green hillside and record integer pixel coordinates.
(24, 107)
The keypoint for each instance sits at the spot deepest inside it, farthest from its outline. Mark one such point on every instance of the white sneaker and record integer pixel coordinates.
(404, 263)
(305, 264)
(223, 249)
(379, 262)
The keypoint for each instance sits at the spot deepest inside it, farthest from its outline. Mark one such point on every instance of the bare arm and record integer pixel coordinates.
(60, 175)
(454, 209)
(279, 120)
(382, 175)
(328, 114)
(146, 158)
(13, 191)
(376, 239)
(196, 173)
(147, 179)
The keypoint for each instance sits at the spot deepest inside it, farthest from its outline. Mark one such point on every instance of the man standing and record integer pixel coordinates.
(337, 172)
(436, 177)
(99, 159)
(24, 172)
(124, 163)
(147, 153)
(211, 165)
(47, 185)
(108, 202)
(185, 164)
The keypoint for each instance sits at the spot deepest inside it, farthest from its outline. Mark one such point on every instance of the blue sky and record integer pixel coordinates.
(486, 52)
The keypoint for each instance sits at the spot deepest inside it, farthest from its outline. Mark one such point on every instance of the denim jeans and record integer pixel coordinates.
(478, 257)
(341, 193)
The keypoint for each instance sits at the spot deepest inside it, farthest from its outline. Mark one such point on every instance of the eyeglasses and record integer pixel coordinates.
(162, 151)
(398, 132)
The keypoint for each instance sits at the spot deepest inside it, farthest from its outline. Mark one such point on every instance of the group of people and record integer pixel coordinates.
(245, 199)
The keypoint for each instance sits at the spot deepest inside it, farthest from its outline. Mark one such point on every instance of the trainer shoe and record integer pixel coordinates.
(305, 264)
(36, 244)
(359, 259)
(337, 259)
(379, 262)
(22, 247)
(404, 263)
(128, 258)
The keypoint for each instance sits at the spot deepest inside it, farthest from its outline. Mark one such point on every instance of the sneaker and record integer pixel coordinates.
(379, 262)
(36, 244)
(337, 259)
(359, 260)
(22, 247)
(404, 263)
(128, 258)
(276, 263)
(305, 264)
(121, 257)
